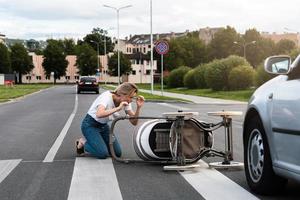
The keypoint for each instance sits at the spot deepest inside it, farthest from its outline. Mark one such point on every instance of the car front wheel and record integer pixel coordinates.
(257, 160)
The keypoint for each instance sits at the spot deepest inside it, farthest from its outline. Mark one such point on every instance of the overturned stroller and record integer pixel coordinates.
(178, 140)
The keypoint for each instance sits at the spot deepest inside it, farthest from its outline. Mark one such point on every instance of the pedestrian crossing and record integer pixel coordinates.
(96, 179)
(6, 166)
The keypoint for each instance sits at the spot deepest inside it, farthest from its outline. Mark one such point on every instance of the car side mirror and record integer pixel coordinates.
(278, 64)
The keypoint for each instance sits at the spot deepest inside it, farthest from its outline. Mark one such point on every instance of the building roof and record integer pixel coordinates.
(145, 38)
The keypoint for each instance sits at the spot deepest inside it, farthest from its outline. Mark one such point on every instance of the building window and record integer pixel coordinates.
(144, 49)
(76, 77)
(47, 77)
(28, 77)
(148, 72)
(67, 77)
(38, 77)
(133, 72)
(149, 46)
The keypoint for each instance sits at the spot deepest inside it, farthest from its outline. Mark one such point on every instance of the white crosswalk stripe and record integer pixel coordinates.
(212, 184)
(94, 179)
(6, 166)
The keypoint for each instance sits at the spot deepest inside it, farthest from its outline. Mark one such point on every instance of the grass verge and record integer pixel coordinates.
(239, 95)
(8, 93)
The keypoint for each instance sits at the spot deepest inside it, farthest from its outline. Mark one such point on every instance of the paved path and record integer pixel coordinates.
(196, 99)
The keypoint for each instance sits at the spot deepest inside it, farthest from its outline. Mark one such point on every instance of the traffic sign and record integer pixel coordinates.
(162, 47)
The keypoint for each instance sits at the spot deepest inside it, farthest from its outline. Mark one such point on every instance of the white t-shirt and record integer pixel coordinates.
(106, 100)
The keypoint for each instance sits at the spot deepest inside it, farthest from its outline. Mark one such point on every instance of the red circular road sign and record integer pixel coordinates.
(162, 47)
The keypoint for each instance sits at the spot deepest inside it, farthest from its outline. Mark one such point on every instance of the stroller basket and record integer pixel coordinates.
(157, 140)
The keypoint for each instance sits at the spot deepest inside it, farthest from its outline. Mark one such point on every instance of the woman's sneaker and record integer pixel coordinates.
(79, 148)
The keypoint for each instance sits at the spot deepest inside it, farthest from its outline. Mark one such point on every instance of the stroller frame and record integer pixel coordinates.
(178, 118)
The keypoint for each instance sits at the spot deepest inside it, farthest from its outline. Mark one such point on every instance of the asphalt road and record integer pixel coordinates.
(38, 160)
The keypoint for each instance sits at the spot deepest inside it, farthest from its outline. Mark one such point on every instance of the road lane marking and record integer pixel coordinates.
(6, 166)
(94, 179)
(52, 152)
(173, 106)
(212, 184)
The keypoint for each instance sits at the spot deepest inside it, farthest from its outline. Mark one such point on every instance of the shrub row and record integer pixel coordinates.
(231, 73)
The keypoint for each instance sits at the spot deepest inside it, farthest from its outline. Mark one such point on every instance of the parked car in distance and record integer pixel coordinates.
(271, 131)
(87, 83)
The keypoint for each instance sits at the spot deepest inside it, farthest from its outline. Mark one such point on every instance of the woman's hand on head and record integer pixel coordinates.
(140, 101)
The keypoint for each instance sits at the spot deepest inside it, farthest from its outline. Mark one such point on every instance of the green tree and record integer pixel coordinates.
(55, 59)
(86, 60)
(285, 46)
(98, 35)
(69, 46)
(262, 48)
(20, 60)
(5, 64)
(222, 45)
(185, 51)
(125, 65)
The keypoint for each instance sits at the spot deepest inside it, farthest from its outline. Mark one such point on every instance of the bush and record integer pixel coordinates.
(241, 77)
(199, 76)
(189, 79)
(234, 61)
(217, 72)
(261, 76)
(176, 76)
(214, 75)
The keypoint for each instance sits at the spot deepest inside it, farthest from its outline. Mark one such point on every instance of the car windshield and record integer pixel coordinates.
(88, 79)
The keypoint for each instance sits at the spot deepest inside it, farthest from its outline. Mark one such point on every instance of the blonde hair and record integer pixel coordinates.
(126, 89)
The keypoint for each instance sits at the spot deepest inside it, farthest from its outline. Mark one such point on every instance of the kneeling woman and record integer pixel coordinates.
(96, 124)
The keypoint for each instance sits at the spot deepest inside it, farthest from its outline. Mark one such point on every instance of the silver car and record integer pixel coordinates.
(271, 132)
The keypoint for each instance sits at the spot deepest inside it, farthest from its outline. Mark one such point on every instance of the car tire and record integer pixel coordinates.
(257, 161)
(78, 91)
(97, 91)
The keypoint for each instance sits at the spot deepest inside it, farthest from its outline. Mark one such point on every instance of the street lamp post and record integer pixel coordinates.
(97, 43)
(244, 45)
(151, 46)
(105, 70)
(118, 48)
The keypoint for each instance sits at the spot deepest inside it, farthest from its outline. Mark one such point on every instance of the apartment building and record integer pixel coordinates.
(207, 34)
(295, 37)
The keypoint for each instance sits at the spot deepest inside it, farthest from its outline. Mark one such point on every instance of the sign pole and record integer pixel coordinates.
(162, 47)
(162, 74)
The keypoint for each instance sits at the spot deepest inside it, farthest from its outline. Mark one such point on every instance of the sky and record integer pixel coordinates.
(43, 19)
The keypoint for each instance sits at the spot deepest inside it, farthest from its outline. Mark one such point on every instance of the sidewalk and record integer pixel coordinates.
(194, 99)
